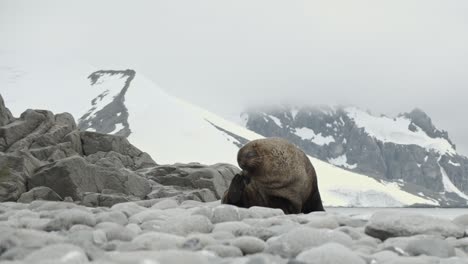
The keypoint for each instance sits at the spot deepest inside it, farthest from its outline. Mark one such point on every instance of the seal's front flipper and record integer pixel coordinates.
(234, 194)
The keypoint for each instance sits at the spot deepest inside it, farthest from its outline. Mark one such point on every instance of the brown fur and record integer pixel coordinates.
(275, 174)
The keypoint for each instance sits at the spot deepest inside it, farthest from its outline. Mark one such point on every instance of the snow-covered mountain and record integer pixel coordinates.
(407, 149)
(171, 130)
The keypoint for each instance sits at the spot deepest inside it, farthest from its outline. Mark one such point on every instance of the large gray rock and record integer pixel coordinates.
(96, 142)
(73, 176)
(386, 224)
(12, 177)
(195, 176)
(430, 247)
(299, 239)
(5, 114)
(330, 253)
(39, 193)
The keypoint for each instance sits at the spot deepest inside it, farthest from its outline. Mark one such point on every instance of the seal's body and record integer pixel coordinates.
(275, 174)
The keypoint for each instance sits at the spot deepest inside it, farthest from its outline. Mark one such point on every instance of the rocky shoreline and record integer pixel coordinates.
(168, 231)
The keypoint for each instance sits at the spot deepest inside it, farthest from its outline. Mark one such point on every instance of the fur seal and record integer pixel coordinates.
(276, 174)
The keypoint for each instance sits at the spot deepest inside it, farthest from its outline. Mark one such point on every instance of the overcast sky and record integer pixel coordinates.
(386, 56)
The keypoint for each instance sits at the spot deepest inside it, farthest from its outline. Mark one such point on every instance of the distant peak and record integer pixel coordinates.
(94, 77)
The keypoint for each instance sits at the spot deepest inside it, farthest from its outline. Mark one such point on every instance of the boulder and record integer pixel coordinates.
(73, 177)
(96, 142)
(386, 224)
(5, 114)
(39, 193)
(195, 176)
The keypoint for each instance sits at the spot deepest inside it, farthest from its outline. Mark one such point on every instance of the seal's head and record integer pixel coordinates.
(248, 158)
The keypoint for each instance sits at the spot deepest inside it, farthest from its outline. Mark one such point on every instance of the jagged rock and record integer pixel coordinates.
(12, 177)
(181, 193)
(5, 114)
(73, 176)
(39, 193)
(20, 133)
(195, 176)
(385, 224)
(95, 142)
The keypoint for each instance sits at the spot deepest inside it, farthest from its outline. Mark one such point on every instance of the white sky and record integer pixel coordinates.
(386, 56)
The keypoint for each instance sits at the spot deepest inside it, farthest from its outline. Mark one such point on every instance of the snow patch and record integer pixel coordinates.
(91, 129)
(395, 130)
(118, 127)
(449, 186)
(342, 161)
(454, 164)
(294, 112)
(309, 134)
(276, 120)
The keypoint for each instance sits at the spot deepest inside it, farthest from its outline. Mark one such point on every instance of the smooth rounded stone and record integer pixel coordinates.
(28, 238)
(67, 218)
(299, 239)
(117, 217)
(99, 237)
(261, 258)
(386, 224)
(368, 241)
(224, 251)
(129, 208)
(344, 220)
(461, 220)
(154, 241)
(265, 212)
(153, 225)
(232, 227)
(15, 253)
(19, 214)
(259, 232)
(325, 221)
(147, 215)
(115, 231)
(64, 253)
(165, 204)
(32, 223)
(330, 253)
(41, 205)
(223, 235)
(354, 233)
(76, 228)
(399, 244)
(134, 228)
(161, 257)
(190, 204)
(249, 245)
(225, 213)
(245, 213)
(206, 211)
(383, 256)
(454, 261)
(187, 225)
(461, 253)
(430, 247)
(363, 249)
(413, 260)
(320, 220)
(198, 241)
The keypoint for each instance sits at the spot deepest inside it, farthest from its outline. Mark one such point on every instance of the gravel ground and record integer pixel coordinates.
(164, 231)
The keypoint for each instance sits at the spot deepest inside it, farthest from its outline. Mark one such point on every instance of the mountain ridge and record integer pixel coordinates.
(407, 148)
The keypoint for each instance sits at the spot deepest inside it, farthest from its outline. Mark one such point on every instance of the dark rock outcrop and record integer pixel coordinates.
(215, 178)
(45, 157)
